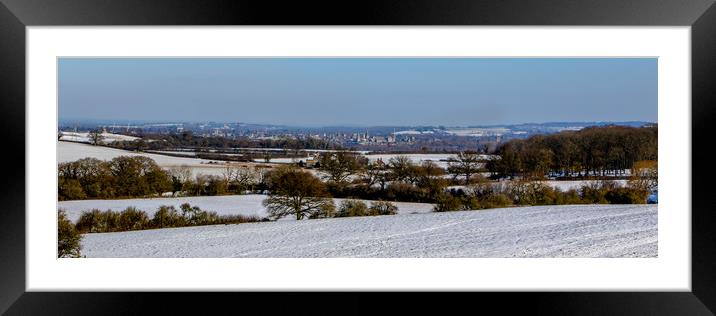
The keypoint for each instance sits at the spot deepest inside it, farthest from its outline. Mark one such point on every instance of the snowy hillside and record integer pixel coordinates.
(68, 151)
(85, 138)
(439, 159)
(249, 204)
(563, 185)
(540, 231)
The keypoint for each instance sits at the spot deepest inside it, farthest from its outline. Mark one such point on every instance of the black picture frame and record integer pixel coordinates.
(15, 15)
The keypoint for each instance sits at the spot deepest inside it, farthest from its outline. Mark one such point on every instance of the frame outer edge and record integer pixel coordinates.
(703, 85)
(12, 123)
(12, 223)
(371, 12)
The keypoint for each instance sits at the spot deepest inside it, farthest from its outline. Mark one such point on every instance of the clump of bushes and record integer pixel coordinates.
(167, 216)
(401, 191)
(593, 195)
(382, 208)
(626, 196)
(96, 221)
(447, 202)
(532, 193)
(478, 196)
(237, 219)
(495, 195)
(607, 192)
(486, 195)
(123, 176)
(351, 208)
(496, 200)
(68, 238)
(395, 191)
(132, 219)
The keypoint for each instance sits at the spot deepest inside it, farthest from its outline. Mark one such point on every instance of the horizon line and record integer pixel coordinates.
(139, 121)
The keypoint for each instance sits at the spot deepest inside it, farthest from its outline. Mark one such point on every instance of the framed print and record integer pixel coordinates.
(476, 147)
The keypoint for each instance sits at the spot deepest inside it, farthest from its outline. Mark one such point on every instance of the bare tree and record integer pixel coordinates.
(297, 192)
(247, 178)
(402, 168)
(241, 178)
(339, 165)
(96, 137)
(645, 175)
(181, 178)
(465, 164)
(182, 173)
(229, 173)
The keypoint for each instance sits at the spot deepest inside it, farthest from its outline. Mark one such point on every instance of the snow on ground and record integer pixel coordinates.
(170, 152)
(68, 151)
(567, 185)
(539, 231)
(284, 160)
(258, 149)
(440, 159)
(563, 185)
(413, 132)
(480, 131)
(84, 137)
(249, 204)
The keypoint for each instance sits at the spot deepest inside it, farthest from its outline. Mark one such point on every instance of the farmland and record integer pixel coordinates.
(70, 151)
(540, 231)
(462, 204)
(249, 204)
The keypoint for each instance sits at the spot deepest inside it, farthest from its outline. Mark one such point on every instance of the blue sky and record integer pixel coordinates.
(359, 91)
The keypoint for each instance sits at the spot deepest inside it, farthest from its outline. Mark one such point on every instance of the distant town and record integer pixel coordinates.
(363, 138)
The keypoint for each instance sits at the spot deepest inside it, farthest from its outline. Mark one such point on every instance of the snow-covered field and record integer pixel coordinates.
(563, 185)
(169, 152)
(68, 151)
(479, 131)
(256, 149)
(249, 204)
(414, 132)
(539, 231)
(577, 184)
(84, 137)
(440, 159)
(284, 160)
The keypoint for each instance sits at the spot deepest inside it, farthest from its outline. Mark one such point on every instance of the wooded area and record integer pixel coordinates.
(593, 151)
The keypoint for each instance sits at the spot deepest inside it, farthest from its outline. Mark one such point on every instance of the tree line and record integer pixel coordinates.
(131, 218)
(139, 176)
(123, 176)
(189, 140)
(531, 193)
(593, 151)
(346, 174)
(294, 191)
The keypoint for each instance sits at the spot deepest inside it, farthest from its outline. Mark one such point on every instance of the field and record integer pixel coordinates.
(563, 185)
(439, 159)
(539, 231)
(249, 204)
(85, 138)
(68, 151)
